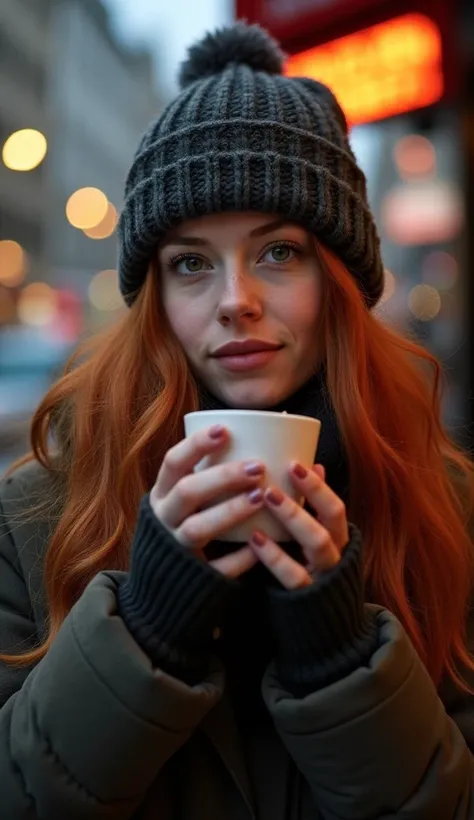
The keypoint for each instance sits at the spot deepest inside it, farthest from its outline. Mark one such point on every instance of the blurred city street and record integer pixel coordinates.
(81, 79)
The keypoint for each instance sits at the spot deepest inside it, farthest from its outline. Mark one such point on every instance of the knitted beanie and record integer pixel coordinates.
(240, 136)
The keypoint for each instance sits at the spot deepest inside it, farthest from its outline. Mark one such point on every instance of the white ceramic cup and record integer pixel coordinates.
(276, 439)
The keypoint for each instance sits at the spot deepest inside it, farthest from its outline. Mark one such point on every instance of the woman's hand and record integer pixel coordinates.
(179, 495)
(322, 540)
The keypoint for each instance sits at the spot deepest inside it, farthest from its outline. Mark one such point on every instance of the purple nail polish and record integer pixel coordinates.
(254, 468)
(299, 471)
(274, 496)
(217, 431)
(258, 538)
(256, 496)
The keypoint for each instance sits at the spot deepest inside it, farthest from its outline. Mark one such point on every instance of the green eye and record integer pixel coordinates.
(280, 253)
(189, 265)
(192, 264)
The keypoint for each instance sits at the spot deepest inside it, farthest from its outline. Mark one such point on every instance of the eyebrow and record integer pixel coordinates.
(176, 239)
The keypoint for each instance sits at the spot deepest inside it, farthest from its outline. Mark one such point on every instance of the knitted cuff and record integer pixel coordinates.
(323, 632)
(172, 602)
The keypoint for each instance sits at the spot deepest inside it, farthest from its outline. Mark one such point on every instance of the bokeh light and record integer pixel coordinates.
(440, 270)
(424, 302)
(13, 263)
(37, 304)
(423, 213)
(86, 208)
(7, 307)
(380, 71)
(24, 150)
(415, 157)
(389, 286)
(106, 227)
(103, 291)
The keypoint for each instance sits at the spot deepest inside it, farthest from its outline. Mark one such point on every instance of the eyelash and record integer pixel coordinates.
(283, 243)
(172, 263)
(181, 257)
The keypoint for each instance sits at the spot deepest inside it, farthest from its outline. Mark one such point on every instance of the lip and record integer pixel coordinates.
(239, 363)
(246, 347)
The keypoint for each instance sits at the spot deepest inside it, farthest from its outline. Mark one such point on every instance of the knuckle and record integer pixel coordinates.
(155, 506)
(190, 531)
(184, 491)
(171, 459)
(337, 510)
(229, 473)
(293, 510)
(324, 542)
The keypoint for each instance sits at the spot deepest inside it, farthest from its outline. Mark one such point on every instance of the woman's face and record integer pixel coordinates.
(244, 278)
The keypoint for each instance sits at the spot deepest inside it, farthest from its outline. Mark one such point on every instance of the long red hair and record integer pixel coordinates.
(119, 407)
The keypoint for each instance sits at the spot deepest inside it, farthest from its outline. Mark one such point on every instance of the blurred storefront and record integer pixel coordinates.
(73, 103)
(400, 72)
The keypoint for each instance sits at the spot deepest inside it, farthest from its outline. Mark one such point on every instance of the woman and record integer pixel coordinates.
(151, 670)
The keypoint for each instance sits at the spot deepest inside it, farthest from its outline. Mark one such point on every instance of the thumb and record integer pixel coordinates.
(320, 471)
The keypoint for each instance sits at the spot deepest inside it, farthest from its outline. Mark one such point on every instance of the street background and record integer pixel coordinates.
(81, 79)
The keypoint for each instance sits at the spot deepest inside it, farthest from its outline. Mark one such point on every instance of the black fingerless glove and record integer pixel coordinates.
(323, 632)
(171, 601)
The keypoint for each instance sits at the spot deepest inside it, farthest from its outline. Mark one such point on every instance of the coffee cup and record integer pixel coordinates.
(275, 439)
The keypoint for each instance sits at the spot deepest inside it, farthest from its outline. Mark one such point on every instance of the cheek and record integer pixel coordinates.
(302, 307)
(186, 320)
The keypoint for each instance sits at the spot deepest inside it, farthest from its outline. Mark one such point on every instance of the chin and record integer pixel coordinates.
(254, 395)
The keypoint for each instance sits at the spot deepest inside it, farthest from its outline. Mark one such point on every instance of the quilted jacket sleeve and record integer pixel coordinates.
(380, 743)
(85, 733)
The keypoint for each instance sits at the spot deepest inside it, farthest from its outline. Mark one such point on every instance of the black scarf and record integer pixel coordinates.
(246, 646)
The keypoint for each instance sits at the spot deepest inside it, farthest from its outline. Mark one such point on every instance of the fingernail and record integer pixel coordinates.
(258, 538)
(299, 471)
(274, 496)
(217, 431)
(256, 496)
(254, 468)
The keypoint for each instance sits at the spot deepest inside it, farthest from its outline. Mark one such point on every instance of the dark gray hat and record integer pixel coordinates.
(242, 137)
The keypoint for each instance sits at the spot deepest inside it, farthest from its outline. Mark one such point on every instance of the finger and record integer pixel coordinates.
(197, 490)
(320, 470)
(181, 459)
(287, 571)
(318, 546)
(197, 530)
(236, 563)
(330, 509)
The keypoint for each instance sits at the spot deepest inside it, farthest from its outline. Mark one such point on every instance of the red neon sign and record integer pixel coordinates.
(381, 71)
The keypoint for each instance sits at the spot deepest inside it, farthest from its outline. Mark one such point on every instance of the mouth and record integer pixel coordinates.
(248, 360)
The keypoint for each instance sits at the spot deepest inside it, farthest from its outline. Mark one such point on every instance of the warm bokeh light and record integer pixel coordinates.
(415, 157)
(13, 263)
(37, 304)
(424, 302)
(381, 71)
(86, 208)
(422, 213)
(24, 150)
(103, 291)
(389, 286)
(7, 307)
(440, 270)
(106, 227)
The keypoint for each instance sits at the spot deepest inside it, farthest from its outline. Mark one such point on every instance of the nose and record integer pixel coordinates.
(240, 298)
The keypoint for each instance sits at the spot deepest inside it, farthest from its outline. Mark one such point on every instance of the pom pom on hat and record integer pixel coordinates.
(239, 43)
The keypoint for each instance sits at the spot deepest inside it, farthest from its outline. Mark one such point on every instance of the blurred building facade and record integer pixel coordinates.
(25, 64)
(101, 97)
(89, 98)
(64, 74)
